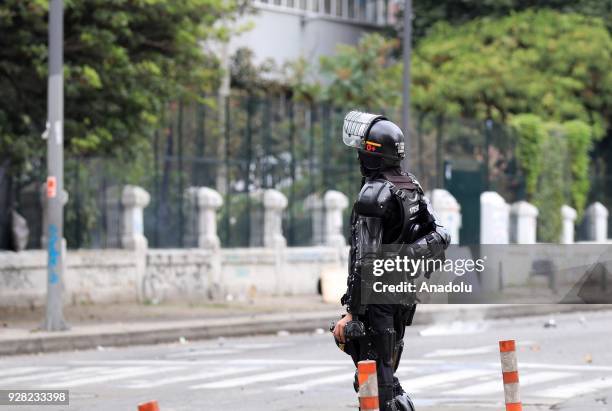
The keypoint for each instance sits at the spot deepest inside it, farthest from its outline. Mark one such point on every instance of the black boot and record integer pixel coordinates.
(400, 403)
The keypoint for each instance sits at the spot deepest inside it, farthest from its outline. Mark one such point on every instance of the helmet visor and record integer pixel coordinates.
(356, 126)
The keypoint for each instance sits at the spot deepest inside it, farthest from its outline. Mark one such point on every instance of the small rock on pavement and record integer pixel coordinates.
(551, 323)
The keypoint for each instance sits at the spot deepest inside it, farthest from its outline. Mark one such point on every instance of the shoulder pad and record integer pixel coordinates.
(416, 183)
(374, 198)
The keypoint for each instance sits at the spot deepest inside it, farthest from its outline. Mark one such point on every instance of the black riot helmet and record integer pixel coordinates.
(379, 141)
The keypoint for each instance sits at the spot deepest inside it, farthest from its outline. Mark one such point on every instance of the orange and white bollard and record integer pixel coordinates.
(148, 406)
(368, 385)
(507, 352)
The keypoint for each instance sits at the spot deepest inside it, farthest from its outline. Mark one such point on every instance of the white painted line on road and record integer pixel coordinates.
(204, 375)
(458, 352)
(50, 375)
(117, 374)
(461, 352)
(496, 387)
(404, 369)
(573, 390)
(24, 370)
(271, 376)
(347, 378)
(264, 361)
(199, 353)
(443, 377)
(561, 367)
(260, 346)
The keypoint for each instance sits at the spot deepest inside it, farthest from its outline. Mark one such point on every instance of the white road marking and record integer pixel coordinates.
(461, 352)
(50, 375)
(271, 376)
(347, 378)
(25, 370)
(193, 377)
(458, 352)
(441, 377)
(573, 390)
(112, 376)
(202, 353)
(496, 386)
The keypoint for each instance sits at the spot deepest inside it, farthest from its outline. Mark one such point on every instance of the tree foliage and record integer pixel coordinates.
(547, 63)
(364, 76)
(531, 136)
(456, 12)
(124, 60)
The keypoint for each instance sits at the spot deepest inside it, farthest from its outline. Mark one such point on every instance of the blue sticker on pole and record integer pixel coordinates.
(53, 253)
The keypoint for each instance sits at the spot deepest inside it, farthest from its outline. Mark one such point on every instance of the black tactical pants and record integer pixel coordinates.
(385, 325)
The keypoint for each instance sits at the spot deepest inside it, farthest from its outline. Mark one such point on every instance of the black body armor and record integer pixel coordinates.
(391, 209)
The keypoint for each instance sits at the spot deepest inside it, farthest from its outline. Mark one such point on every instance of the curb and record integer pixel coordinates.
(254, 325)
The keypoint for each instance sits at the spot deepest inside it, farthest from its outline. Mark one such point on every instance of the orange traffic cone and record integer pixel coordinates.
(507, 352)
(368, 385)
(148, 406)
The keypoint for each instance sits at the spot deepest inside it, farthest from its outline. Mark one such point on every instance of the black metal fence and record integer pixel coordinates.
(267, 142)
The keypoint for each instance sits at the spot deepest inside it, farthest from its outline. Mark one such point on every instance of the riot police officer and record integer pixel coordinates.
(390, 209)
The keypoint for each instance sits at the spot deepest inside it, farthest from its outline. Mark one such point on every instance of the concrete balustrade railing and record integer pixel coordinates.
(206, 270)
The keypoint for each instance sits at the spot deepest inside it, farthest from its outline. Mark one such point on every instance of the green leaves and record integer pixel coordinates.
(124, 60)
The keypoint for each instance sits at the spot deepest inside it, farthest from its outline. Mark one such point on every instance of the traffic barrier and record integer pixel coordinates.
(148, 406)
(368, 385)
(507, 353)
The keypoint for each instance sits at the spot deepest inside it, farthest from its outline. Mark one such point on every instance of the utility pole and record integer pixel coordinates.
(54, 320)
(407, 52)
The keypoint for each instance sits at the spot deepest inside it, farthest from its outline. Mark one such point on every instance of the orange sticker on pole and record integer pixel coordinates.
(51, 187)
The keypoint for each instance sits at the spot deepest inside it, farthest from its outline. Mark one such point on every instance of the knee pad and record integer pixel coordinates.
(384, 343)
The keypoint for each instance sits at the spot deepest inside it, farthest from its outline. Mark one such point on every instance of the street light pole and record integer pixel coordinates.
(54, 320)
(407, 51)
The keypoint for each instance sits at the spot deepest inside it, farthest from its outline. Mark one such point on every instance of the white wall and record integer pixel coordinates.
(284, 34)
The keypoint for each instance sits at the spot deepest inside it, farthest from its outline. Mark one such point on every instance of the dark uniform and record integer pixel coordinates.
(391, 209)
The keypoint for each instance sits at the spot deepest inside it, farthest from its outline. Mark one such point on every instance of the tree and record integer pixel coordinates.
(364, 76)
(456, 12)
(124, 60)
(547, 63)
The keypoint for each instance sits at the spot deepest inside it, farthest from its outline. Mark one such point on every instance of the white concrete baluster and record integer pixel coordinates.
(523, 223)
(335, 203)
(568, 215)
(134, 199)
(597, 222)
(274, 203)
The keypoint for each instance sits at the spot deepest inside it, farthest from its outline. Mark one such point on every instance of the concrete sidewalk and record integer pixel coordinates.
(130, 324)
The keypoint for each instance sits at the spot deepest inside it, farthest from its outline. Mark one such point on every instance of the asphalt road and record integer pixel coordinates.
(445, 367)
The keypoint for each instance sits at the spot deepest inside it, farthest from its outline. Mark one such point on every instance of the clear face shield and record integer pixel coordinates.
(355, 127)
